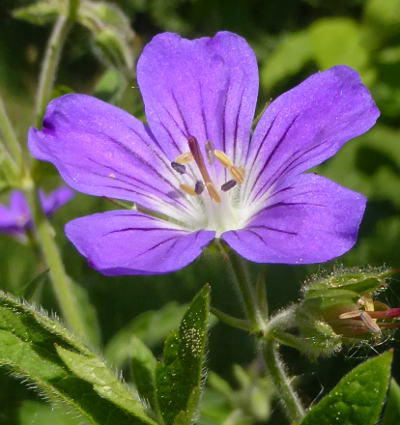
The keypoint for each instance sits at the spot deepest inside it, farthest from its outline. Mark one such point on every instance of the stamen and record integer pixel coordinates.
(198, 157)
(180, 168)
(209, 152)
(369, 323)
(350, 314)
(228, 185)
(367, 302)
(237, 173)
(199, 187)
(222, 158)
(184, 158)
(187, 189)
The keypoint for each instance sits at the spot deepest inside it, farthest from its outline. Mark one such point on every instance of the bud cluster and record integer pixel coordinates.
(341, 309)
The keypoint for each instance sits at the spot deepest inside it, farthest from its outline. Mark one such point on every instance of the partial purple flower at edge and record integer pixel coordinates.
(196, 172)
(15, 218)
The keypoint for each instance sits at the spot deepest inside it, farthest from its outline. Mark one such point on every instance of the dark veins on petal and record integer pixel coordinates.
(272, 154)
(180, 113)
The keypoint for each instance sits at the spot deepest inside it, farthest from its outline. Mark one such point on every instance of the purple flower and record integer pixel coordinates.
(16, 218)
(196, 172)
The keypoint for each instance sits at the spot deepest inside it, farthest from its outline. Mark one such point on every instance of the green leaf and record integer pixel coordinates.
(36, 413)
(88, 314)
(178, 377)
(143, 368)
(288, 58)
(151, 327)
(392, 410)
(383, 16)
(357, 399)
(95, 372)
(28, 341)
(338, 41)
(110, 85)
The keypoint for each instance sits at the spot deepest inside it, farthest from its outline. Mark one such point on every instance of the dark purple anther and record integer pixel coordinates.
(199, 187)
(228, 185)
(180, 168)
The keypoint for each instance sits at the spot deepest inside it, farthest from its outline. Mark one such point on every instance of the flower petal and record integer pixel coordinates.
(101, 150)
(205, 87)
(129, 242)
(55, 199)
(15, 217)
(309, 219)
(307, 125)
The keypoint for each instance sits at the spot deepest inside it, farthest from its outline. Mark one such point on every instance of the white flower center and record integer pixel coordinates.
(213, 191)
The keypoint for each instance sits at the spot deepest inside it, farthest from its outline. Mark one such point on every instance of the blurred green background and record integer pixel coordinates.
(292, 39)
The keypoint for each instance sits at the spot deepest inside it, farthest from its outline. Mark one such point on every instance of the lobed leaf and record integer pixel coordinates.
(357, 399)
(30, 343)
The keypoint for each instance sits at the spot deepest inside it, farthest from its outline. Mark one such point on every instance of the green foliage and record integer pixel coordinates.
(40, 13)
(92, 370)
(338, 41)
(179, 375)
(151, 327)
(44, 354)
(143, 369)
(35, 413)
(291, 54)
(391, 415)
(248, 402)
(357, 399)
(291, 39)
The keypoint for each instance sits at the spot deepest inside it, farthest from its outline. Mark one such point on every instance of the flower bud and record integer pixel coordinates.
(113, 37)
(340, 309)
(40, 13)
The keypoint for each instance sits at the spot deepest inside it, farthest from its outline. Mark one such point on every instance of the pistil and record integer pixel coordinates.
(198, 158)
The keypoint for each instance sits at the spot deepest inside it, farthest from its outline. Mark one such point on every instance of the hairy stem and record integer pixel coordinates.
(253, 311)
(61, 282)
(264, 333)
(276, 370)
(10, 138)
(52, 57)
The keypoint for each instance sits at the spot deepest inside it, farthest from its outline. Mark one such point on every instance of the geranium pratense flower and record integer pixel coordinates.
(15, 218)
(197, 173)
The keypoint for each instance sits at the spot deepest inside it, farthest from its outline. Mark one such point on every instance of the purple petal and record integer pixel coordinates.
(101, 150)
(56, 199)
(307, 125)
(205, 87)
(309, 219)
(16, 217)
(129, 242)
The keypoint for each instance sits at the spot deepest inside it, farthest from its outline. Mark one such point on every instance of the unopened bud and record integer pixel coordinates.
(114, 39)
(40, 13)
(340, 309)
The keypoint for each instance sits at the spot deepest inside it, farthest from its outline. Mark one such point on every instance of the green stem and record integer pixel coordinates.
(231, 321)
(290, 400)
(264, 332)
(253, 311)
(10, 138)
(52, 58)
(61, 283)
(8, 167)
